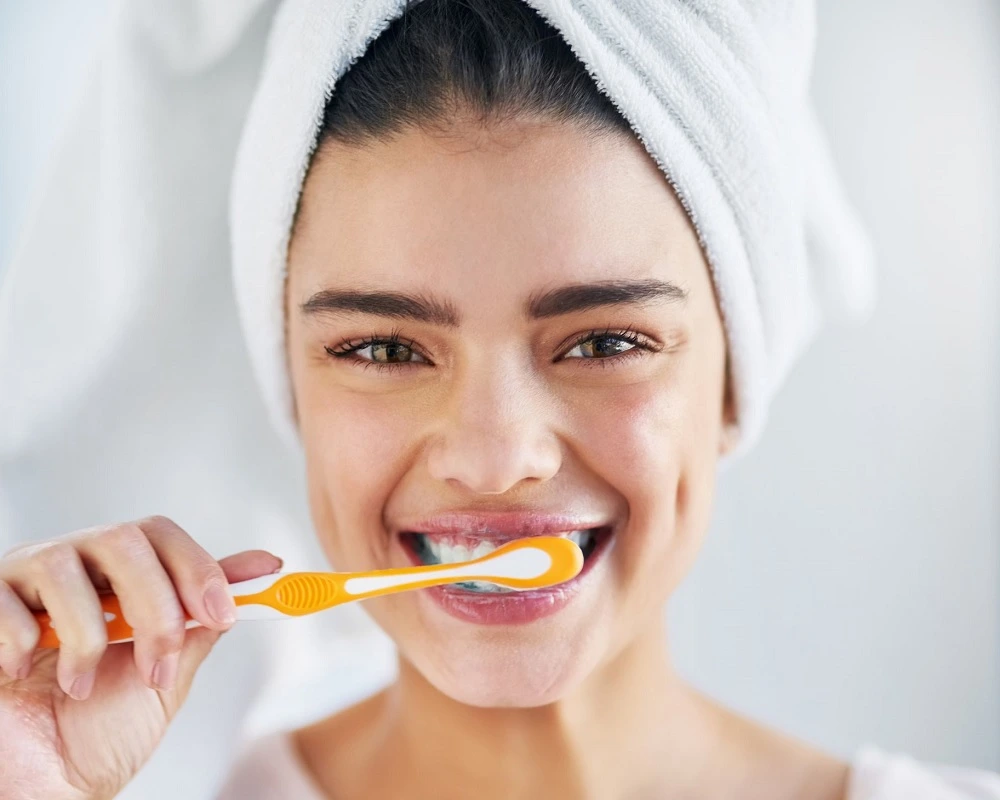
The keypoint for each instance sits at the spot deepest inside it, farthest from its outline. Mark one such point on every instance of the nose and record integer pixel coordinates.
(494, 434)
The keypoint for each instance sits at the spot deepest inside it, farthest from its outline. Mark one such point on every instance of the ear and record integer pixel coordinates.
(729, 430)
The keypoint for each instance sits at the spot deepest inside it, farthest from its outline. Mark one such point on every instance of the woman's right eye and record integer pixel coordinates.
(384, 353)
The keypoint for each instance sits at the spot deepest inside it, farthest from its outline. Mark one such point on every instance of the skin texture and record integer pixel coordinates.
(505, 412)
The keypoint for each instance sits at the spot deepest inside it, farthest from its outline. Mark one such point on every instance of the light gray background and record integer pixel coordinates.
(849, 590)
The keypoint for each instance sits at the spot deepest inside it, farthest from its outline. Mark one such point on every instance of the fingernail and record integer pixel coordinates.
(281, 563)
(220, 605)
(165, 671)
(81, 686)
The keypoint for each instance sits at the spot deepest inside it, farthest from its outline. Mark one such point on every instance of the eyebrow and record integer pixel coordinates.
(551, 303)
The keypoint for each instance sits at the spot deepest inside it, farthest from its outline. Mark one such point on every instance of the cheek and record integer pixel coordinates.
(641, 451)
(354, 453)
(356, 437)
(655, 444)
(642, 438)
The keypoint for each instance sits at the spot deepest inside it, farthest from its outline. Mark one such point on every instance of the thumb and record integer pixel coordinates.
(198, 642)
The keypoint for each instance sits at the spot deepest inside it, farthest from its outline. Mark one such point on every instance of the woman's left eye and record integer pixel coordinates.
(602, 345)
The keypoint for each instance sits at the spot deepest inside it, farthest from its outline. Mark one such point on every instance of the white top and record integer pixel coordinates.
(269, 769)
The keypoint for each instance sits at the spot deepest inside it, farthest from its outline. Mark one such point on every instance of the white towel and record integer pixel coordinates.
(718, 93)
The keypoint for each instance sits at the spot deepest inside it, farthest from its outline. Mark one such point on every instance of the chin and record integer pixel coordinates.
(501, 670)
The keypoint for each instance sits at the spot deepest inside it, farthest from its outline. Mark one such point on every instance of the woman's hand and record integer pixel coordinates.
(78, 722)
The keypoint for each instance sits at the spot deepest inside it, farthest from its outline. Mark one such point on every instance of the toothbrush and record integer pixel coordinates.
(531, 563)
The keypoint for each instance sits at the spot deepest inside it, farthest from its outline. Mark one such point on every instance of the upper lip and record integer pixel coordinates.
(502, 523)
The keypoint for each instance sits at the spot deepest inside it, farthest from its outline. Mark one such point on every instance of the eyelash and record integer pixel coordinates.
(346, 350)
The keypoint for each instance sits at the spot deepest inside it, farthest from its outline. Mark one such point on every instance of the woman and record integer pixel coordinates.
(499, 321)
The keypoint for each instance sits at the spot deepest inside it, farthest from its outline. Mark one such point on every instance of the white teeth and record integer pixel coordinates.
(581, 538)
(482, 549)
(447, 553)
(457, 553)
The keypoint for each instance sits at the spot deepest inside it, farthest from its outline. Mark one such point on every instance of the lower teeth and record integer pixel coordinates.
(482, 586)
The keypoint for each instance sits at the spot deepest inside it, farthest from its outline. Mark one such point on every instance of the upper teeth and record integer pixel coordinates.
(448, 553)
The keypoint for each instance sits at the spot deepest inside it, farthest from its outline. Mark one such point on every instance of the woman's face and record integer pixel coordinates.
(504, 333)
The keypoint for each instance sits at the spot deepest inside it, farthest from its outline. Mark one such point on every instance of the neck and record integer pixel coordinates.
(632, 729)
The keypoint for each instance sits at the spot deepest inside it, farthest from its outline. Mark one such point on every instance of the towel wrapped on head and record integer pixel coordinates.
(717, 92)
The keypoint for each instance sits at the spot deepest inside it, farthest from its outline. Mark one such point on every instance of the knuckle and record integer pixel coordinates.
(56, 559)
(207, 572)
(24, 639)
(18, 640)
(127, 539)
(165, 532)
(161, 524)
(86, 651)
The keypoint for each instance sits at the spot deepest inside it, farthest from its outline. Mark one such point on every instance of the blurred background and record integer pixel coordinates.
(849, 591)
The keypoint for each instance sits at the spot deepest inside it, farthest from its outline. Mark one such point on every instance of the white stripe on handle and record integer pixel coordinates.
(524, 563)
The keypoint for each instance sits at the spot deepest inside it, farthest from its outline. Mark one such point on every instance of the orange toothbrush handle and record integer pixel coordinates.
(118, 628)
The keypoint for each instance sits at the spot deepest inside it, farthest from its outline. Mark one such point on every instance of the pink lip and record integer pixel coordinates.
(501, 525)
(514, 608)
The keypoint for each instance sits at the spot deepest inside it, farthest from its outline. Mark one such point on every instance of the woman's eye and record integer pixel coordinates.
(381, 353)
(388, 353)
(598, 345)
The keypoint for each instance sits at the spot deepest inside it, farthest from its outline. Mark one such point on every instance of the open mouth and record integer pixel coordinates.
(430, 549)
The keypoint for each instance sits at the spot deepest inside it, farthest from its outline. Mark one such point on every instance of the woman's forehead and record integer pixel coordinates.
(551, 202)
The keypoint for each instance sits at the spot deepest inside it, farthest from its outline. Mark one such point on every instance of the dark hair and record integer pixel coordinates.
(487, 60)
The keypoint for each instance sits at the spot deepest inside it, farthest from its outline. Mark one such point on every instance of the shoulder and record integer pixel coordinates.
(878, 774)
(269, 768)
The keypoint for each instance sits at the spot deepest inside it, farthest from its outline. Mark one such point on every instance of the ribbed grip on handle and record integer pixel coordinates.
(300, 594)
(294, 594)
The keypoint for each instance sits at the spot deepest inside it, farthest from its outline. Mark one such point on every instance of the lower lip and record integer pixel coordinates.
(512, 608)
